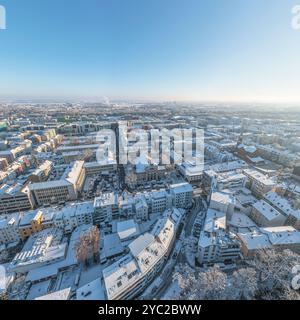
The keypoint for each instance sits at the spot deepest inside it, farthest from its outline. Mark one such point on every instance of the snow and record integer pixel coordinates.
(90, 274)
(112, 245)
(38, 290)
(92, 291)
(140, 243)
(57, 295)
(172, 291)
(241, 220)
(127, 229)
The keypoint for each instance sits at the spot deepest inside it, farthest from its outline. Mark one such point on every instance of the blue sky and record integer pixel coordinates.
(224, 50)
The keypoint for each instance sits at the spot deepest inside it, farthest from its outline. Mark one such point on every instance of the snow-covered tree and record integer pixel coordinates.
(185, 277)
(208, 285)
(274, 269)
(211, 285)
(243, 284)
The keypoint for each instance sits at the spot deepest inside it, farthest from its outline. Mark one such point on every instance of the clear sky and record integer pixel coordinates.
(201, 50)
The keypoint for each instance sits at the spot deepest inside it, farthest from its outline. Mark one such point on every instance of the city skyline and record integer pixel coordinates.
(193, 51)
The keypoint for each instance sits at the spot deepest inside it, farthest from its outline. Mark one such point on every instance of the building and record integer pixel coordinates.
(258, 183)
(264, 215)
(283, 237)
(106, 208)
(127, 230)
(228, 166)
(285, 208)
(74, 215)
(215, 245)
(294, 219)
(159, 201)
(182, 195)
(8, 155)
(109, 206)
(9, 229)
(224, 145)
(62, 190)
(41, 249)
(3, 163)
(141, 173)
(78, 148)
(220, 181)
(14, 198)
(42, 172)
(218, 247)
(141, 208)
(296, 173)
(93, 168)
(30, 222)
(130, 275)
(192, 173)
(222, 201)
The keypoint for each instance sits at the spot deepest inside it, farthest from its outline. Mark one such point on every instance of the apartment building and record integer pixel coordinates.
(14, 198)
(159, 201)
(222, 201)
(191, 172)
(92, 168)
(73, 215)
(9, 229)
(42, 172)
(182, 195)
(218, 247)
(215, 245)
(264, 215)
(109, 206)
(283, 237)
(259, 183)
(62, 190)
(131, 274)
(106, 207)
(3, 163)
(30, 223)
(220, 181)
(139, 174)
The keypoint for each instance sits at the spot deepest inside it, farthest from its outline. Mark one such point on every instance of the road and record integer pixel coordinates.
(192, 214)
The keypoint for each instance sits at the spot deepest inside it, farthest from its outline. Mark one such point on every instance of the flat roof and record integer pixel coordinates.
(127, 229)
(92, 291)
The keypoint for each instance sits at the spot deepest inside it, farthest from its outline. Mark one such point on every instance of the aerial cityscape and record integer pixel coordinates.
(153, 162)
(74, 226)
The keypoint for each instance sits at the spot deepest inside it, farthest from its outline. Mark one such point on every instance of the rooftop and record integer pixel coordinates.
(256, 175)
(269, 212)
(127, 229)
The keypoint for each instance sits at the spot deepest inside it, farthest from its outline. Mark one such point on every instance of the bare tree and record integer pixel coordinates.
(87, 246)
(95, 242)
(82, 250)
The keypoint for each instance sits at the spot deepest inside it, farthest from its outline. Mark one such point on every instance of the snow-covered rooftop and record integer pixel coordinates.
(127, 229)
(265, 209)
